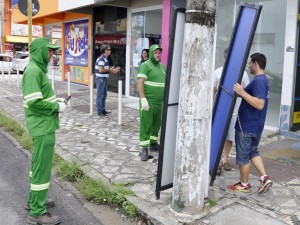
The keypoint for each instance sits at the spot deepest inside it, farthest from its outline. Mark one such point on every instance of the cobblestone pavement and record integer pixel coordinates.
(110, 152)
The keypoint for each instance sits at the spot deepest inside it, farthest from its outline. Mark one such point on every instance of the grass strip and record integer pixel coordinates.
(92, 190)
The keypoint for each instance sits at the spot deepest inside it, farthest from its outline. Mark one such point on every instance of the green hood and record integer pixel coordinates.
(151, 50)
(39, 52)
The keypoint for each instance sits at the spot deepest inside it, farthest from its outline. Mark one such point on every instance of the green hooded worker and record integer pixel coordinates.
(41, 114)
(151, 87)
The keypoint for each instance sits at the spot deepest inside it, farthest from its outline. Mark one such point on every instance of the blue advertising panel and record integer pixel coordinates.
(76, 43)
(232, 73)
(14, 3)
(76, 51)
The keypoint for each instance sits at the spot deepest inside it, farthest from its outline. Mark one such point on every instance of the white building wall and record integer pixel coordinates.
(64, 5)
(145, 3)
(289, 68)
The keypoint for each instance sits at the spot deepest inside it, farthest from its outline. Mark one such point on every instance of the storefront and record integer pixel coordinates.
(110, 27)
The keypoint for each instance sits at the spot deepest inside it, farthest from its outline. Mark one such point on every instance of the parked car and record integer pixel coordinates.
(6, 63)
(21, 58)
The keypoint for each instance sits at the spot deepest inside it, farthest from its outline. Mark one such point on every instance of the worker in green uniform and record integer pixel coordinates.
(41, 115)
(151, 86)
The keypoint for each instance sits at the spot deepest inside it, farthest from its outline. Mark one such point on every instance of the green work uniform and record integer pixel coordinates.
(154, 74)
(41, 115)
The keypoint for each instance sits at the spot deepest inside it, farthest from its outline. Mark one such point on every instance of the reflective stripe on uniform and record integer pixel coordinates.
(39, 187)
(51, 99)
(154, 84)
(33, 96)
(145, 142)
(140, 75)
(25, 105)
(153, 138)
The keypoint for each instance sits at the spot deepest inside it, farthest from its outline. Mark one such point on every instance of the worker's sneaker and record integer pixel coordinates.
(45, 219)
(49, 204)
(265, 184)
(144, 154)
(154, 147)
(227, 166)
(239, 187)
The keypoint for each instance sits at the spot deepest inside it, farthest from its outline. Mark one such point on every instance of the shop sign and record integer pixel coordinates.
(22, 30)
(296, 117)
(56, 32)
(110, 39)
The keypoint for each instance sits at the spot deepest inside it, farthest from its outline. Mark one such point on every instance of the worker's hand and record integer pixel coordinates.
(60, 99)
(62, 107)
(145, 105)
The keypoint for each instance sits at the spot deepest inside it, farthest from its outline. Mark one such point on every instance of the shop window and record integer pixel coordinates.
(146, 30)
(269, 40)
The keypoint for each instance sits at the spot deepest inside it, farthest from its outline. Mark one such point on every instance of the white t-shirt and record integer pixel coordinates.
(245, 82)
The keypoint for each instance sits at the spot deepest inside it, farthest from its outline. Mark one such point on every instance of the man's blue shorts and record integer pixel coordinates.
(246, 147)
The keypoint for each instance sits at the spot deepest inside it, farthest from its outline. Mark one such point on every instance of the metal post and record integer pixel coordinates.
(9, 76)
(119, 100)
(69, 87)
(2, 69)
(53, 76)
(91, 93)
(18, 77)
(29, 9)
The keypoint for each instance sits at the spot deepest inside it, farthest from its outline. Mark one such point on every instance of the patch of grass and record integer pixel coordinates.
(69, 171)
(17, 131)
(95, 191)
(100, 193)
(212, 202)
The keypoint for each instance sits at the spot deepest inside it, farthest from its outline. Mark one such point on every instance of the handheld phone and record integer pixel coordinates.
(67, 99)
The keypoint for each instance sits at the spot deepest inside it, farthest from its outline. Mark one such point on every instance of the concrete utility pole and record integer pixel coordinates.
(191, 174)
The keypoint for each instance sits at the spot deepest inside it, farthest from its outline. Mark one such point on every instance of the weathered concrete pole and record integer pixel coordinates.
(191, 174)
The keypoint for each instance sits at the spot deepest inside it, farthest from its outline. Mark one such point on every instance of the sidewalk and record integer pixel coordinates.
(110, 152)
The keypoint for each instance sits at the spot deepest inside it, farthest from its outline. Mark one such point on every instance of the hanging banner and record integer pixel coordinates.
(76, 50)
(233, 70)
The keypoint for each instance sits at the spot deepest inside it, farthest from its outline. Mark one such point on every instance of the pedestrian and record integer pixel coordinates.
(102, 71)
(250, 124)
(41, 115)
(144, 56)
(151, 85)
(230, 135)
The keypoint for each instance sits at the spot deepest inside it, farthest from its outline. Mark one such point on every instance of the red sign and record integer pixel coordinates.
(110, 39)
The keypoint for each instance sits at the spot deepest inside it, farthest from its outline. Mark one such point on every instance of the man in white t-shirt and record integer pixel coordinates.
(231, 130)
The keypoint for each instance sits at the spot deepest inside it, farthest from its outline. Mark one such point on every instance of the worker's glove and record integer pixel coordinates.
(62, 107)
(60, 99)
(145, 105)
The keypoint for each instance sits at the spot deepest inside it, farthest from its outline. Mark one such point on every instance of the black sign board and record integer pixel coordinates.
(23, 7)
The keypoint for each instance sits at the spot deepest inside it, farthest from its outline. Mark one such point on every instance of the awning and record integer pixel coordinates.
(16, 39)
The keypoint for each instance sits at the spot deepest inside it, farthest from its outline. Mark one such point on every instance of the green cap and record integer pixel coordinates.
(40, 42)
(154, 47)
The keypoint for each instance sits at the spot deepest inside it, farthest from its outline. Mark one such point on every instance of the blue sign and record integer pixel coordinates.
(76, 43)
(232, 73)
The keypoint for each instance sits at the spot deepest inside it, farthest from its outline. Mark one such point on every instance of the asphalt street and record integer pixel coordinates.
(14, 186)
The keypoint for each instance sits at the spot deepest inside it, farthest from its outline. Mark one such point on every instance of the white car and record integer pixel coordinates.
(6, 63)
(21, 59)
